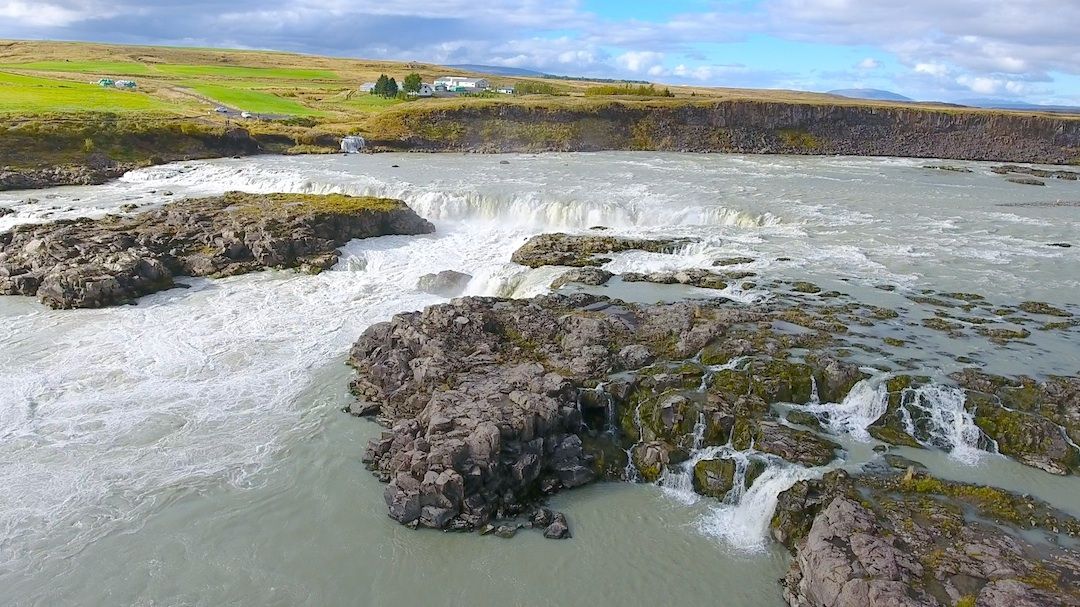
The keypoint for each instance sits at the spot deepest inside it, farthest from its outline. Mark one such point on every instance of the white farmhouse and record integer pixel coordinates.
(426, 90)
(367, 87)
(461, 83)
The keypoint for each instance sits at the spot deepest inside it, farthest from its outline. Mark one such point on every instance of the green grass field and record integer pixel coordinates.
(252, 100)
(250, 73)
(32, 95)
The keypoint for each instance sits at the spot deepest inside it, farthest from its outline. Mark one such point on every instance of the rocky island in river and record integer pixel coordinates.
(92, 263)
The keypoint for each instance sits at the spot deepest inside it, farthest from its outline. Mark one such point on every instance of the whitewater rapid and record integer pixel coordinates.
(109, 419)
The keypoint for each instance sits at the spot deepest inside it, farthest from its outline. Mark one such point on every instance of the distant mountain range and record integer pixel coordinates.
(876, 94)
(994, 104)
(497, 70)
(1006, 104)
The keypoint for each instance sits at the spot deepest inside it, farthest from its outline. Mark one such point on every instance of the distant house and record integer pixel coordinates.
(461, 83)
(506, 90)
(426, 90)
(367, 87)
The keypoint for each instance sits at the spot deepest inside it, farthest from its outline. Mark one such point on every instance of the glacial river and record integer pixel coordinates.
(191, 450)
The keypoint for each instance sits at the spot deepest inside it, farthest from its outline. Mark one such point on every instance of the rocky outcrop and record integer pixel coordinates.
(92, 263)
(917, 540)
(95, 171)
(1037, 423)
(740, 126)
(587, 276)
(693, 277)
(448, 283)
(50, 153)
(582, 250)
(1034, 172)
(515, 398)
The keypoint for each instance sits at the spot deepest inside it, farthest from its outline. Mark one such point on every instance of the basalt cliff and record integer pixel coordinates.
(736, 126)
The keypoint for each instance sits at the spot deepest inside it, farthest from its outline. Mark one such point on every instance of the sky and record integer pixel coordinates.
(947, 50)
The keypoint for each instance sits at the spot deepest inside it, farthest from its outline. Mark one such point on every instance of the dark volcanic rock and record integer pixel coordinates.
(447, 282)
(917, 540)
(1025, 181)
(87, 263)
(487, 391)
(581, 250)
(694, 277)
(95, 171)
(586, 276)
(4, 211)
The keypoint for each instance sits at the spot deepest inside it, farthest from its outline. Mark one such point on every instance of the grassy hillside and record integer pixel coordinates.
(53, 112)
(186, 80)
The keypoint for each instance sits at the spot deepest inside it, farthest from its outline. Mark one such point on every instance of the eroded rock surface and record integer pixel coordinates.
(92, 263)
(582, 250)
(917, 540)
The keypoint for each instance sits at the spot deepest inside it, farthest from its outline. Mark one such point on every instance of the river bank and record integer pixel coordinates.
(72, 152)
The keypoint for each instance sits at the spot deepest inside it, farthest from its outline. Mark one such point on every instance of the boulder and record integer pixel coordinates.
(714, 477)
(447, 283)
(586, 276)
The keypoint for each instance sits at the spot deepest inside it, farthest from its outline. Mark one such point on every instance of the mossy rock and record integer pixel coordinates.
(793, 445)
(754, 469)
(893, 435)
(804, 418)
(1003, 333)
(940, 324)
(609, 460)
(782, 381)
(1039, 307)
(715, 354)
(805, 287)
(964, 296)
(733, 261)
(650, 459)
(1028, 438)
(714, 477)
(742, 433)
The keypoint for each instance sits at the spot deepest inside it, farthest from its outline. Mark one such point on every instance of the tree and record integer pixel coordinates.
(391, 88)
(411, 83)
(380, 85)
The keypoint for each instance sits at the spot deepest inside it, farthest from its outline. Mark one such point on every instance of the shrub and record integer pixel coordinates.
(642, 90)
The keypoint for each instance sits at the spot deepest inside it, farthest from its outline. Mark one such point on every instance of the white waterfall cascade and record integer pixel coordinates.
(744, 524)
(867, 401)
(353, 144)
(936, 416)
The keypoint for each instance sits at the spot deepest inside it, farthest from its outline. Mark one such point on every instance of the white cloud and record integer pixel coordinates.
(868, 64)
(937, 70)
(639, 61)
(46, 14)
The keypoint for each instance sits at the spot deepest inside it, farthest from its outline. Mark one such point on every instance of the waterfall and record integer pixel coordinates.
(745, 523)
(353, 144)
(867, 401)
(935, 415)
(631, 473)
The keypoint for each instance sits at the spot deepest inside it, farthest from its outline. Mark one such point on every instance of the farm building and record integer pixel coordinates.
(459, 83)
(367, 87)
(426, 90)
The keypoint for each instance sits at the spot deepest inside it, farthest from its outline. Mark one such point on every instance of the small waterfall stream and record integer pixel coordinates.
(353, 144)
(936, 416)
